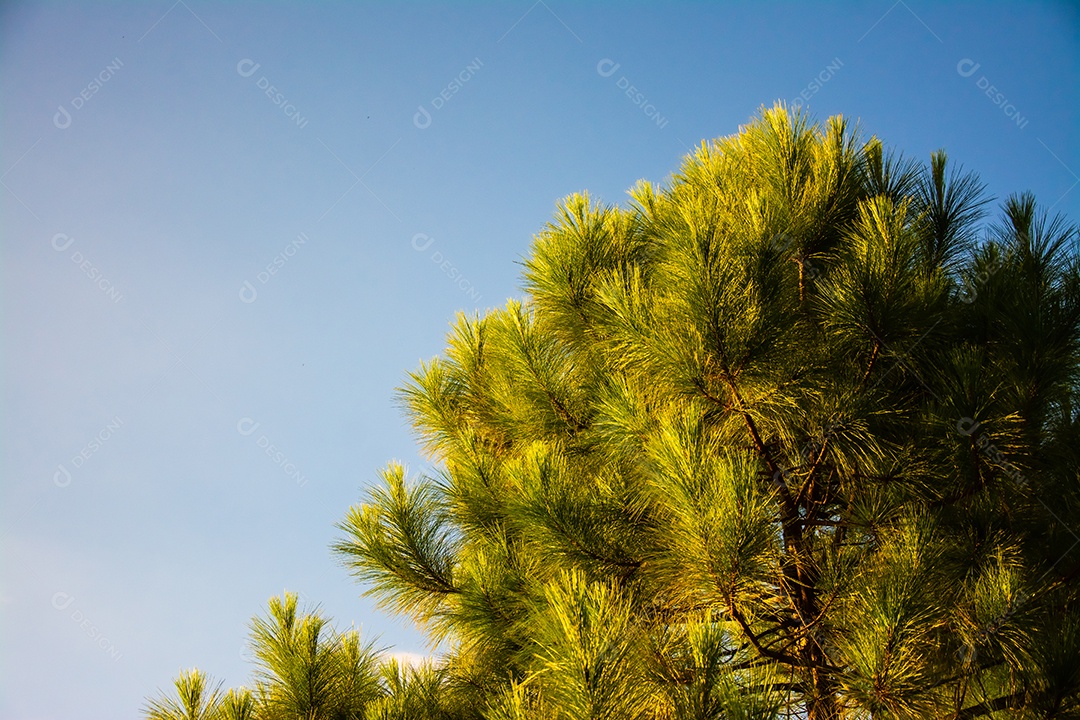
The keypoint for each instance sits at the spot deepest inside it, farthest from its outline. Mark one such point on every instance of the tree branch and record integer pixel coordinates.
(1005, 702)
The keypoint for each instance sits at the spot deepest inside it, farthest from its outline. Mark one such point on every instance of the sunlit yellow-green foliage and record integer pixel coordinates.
(792, 436)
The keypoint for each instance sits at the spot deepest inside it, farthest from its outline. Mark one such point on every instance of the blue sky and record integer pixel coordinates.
(197, 266)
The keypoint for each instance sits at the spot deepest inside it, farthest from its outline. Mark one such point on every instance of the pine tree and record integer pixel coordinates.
(793, 436)
(786, 436)
(305, 670)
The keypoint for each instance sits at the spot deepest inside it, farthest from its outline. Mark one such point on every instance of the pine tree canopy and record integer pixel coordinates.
(792, 436)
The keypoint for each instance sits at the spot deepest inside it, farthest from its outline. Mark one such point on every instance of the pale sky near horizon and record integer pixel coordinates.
(228, 226)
